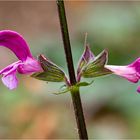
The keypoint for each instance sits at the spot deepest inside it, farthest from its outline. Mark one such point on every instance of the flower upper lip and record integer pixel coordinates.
(15, 42)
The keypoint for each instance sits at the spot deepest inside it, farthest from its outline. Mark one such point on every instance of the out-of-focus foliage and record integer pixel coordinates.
(111, 104)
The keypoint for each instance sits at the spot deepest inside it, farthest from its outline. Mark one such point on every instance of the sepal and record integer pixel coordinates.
(96, 67)
(85, 58)
(51, 73)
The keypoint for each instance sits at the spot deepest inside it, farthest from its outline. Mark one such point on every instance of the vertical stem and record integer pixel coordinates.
(75, 94)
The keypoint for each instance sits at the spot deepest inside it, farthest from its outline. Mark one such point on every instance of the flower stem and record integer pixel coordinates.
(74, 93)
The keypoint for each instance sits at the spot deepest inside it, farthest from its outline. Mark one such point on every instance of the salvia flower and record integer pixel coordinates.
(26, 63)
(97, 66)
(130, 72)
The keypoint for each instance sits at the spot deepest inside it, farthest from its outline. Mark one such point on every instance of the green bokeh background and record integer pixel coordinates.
(111, 104)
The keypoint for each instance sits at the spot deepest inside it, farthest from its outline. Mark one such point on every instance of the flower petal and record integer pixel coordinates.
(9, 75)
(136, 65)
(15, 43)
(126, 72)
(10, 80)
(138, 89)
(10, 67)
(29, 66)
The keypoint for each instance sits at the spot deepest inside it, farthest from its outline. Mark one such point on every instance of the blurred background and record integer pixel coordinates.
(111, 104)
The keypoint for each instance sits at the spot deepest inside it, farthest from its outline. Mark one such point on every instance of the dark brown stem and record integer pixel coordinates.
(74, 93)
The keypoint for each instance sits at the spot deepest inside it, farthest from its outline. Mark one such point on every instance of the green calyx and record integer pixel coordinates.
(51, 73)
(96, 67)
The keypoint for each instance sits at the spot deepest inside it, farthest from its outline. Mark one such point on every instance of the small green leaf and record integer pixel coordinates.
(81, 84)
(74, 88)
(67, 89)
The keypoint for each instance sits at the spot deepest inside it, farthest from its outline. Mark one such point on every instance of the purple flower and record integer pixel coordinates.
(130, 72)
(26, 63)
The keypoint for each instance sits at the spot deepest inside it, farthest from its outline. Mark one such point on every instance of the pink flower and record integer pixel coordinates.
(130, 72)
(26, 63)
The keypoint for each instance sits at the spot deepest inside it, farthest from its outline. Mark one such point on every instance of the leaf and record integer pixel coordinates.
(81, 84)
(67, 89)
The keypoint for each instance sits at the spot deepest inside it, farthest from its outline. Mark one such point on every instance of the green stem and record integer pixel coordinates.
(75, 93)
